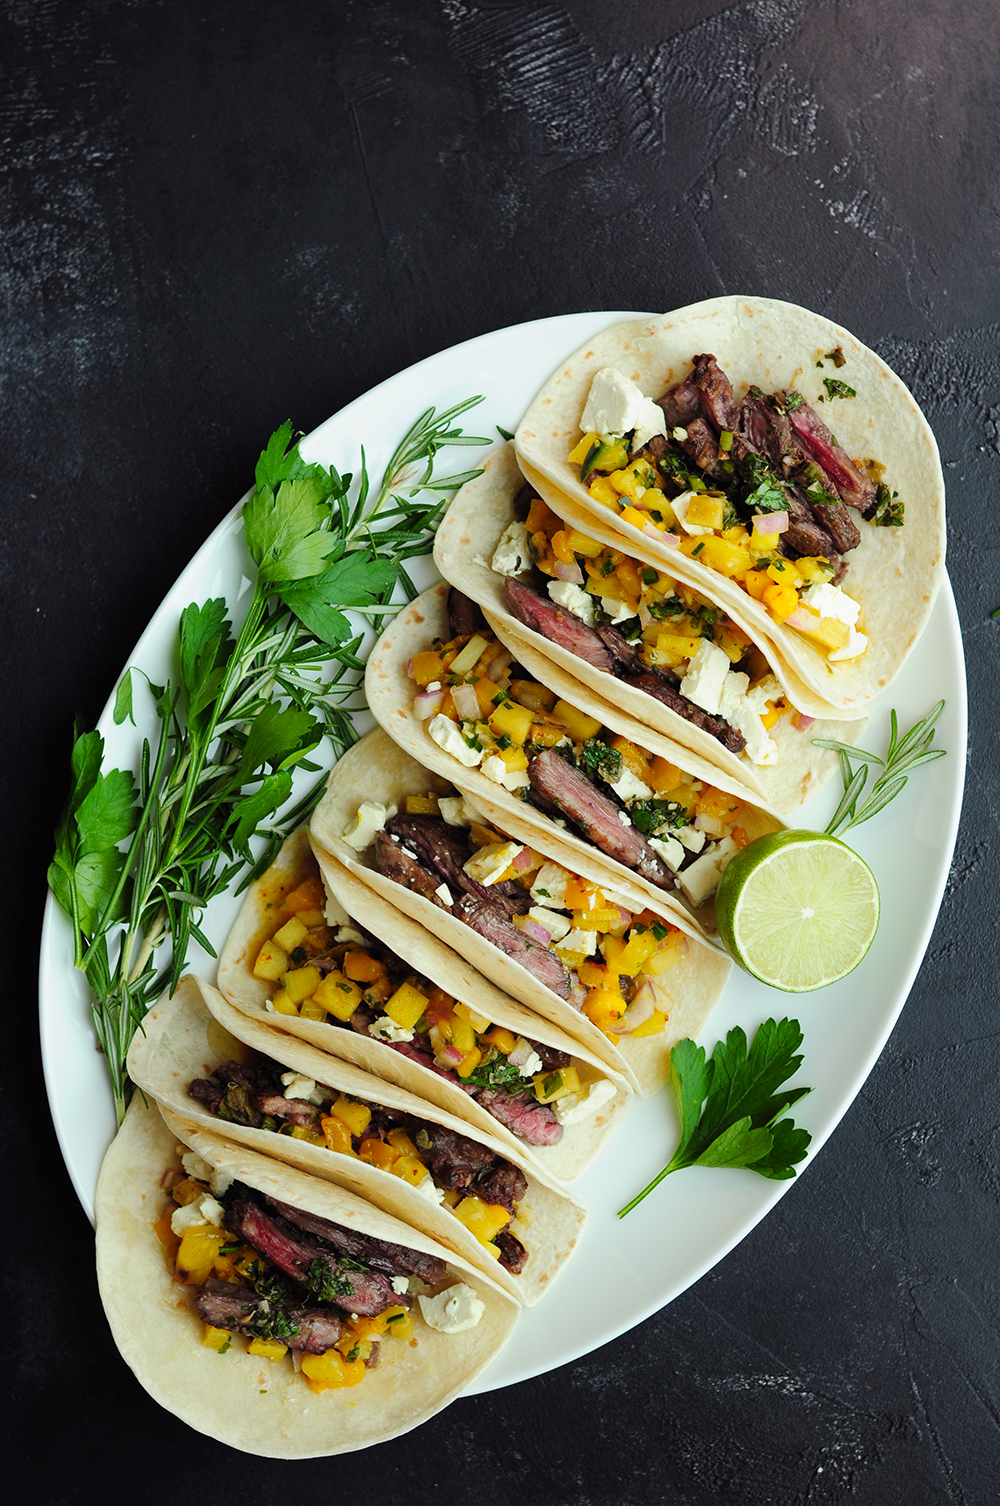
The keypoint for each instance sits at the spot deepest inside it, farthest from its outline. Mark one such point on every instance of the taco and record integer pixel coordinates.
(204, 1060)
(541, 750)
(632, 634)
(415, 1014)
(726, 470)
(249, 1295)
(475, 887)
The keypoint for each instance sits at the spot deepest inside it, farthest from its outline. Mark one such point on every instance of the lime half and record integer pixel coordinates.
(797, 909)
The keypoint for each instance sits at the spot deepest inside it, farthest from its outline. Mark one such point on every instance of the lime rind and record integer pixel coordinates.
(800, 912)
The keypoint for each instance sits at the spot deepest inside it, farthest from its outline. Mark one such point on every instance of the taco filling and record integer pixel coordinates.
(639, 809)
(760, 490)
(346, 978)
(575, 937)
(481, 1188)
(292, 1283)
(648, 629)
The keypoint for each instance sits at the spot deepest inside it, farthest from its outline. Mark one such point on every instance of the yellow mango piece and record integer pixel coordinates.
(781, 601)
(602, 491)
(219, 1339)
(510, 720)
(652, 1026)
(338, 996)
(329, 1371)
(301, 982)
(282, 1003)
(478, 1021)
(578, 724)
(291, 935)
(706, 511)
(504, 1040)
(357, 1116)
(578, 455)
(406, 1005)
(411, 1169)
(271, 962)
(268, 1349)
(200, 1243)
(552, 1085)
(484, 1220)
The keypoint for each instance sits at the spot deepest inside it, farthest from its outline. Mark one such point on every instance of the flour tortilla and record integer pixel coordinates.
(187, 1036)
(894, 573)
(349, 901)
(389, 691)
(376, 769)
(465, 545)
(238, 1398)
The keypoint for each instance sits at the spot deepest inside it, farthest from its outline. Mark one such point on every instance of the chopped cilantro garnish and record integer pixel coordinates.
(597, 758)
(653, 816)
(888, 510)
(837, 389)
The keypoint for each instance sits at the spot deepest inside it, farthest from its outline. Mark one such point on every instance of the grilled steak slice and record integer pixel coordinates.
(596, 814)
(551, 1059)
(661, 689)
(803, 533)
(555, 623)
(513, 1255)
(380, 1254)
(681, 404)
(816, 441)
(838, 523)
(207, 1091)
(543, 965)
(464, 614)
(534, 1122)
(227, 1305)
(715, 392)
(454, 1160)
(765, 430)
(503, 1184)
(437, 847)
(365, 1292)
(619, 647)
(403, 868)
(295, 1109)
(523, 500)
(702, 445)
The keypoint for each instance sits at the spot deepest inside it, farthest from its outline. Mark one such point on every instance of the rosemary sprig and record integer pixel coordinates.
(139, 856)
(904, 755)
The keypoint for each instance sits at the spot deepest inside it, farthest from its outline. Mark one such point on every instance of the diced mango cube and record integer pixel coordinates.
(706, 511)
(310, 895)
(338, 996)
(291, 935)
(478, 1021)
(268, 1349)
(329, 1370)
(406, 1005)
(200, 1243)
(271, 962)
(282, 1003)
(510, 720)
(301, 982)
(652, 1026)
(504, 1040)
(361, 967)
(218, 1339)
(578, 724)
(484, 1220)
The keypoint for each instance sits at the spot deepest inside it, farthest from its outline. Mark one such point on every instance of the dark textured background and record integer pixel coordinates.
(213, 216)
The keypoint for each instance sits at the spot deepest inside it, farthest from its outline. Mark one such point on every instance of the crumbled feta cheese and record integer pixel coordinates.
(400, 1285)
(296, 1085)
(550, 920)
(524, 1057)
(628, 787)
(701, 878)
(371, 818)
(680, 507)
(195, 1166)
(691, 838)
(458, 810)
(705, 677)
(616, 610)
(515, 779)
(490, 862)
(743, 712)
(429, 1189)
(579, 943)
(444, 895)
(348, 933)
(512, 555)
(833, 601)
(204, 1210)
(448, 735)
(384, 1029)
(616, 405)
(452, 1311)
(574, 598)
(576, 1106)
(434, 685)
(549, 887)
(494, 768)
(624, 819)
(670, 851)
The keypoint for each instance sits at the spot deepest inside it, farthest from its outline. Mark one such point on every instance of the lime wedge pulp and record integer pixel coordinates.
(797, 909)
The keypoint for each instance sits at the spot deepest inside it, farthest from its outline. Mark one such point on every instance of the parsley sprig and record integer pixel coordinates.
(139, 855)
(904, 755)
(731, 1104)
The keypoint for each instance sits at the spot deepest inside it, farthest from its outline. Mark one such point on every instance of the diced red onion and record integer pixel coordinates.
(645, 615)
(495, 663)
(571, 572)
(427, 703)
(534, 930)
(466, 702)
(640, 1009)
(409, 666)
(448, 1055)
(670, 539)
(802, 722)
(523, 861)
(770, 522)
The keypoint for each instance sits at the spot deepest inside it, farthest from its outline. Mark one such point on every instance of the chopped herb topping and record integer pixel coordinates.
(494, 1071)
(836, 356)
(653, 816)
(837, 389)
(597, 758)
(325, 1283)
(888, 510)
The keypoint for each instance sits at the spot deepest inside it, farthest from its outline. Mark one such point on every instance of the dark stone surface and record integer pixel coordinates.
(213, 217)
